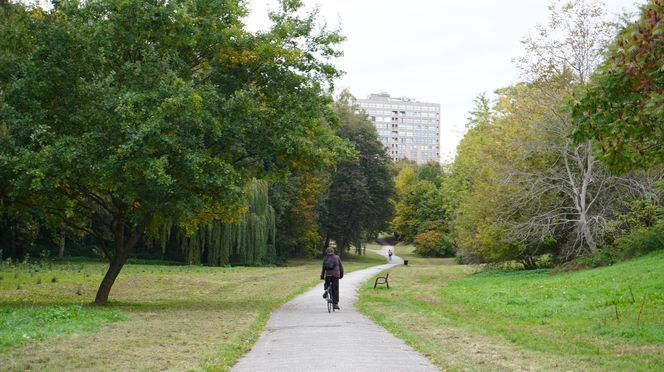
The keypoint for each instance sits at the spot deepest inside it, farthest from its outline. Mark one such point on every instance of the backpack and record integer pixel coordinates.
(329, 262)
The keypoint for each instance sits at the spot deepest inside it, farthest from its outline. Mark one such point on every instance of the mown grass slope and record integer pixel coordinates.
(609, 318)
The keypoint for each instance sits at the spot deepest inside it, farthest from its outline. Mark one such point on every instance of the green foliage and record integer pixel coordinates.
(434, 244)
(526, 197)
(482, 198)
(622, 107)
(297, 206)
(640, 241)
(421, 208)
(119, 116)
(23, 325)
(250, 241)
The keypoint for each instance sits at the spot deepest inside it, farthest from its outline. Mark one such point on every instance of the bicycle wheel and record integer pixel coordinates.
(330, 305)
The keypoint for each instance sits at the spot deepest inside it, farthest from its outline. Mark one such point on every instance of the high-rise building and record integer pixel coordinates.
(409, 129)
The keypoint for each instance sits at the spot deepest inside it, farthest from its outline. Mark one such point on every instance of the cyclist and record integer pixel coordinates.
(332, 271)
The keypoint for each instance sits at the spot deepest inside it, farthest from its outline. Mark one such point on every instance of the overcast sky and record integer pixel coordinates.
(443, 51)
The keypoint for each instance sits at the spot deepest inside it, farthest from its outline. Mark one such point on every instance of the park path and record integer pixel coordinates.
(302, 336)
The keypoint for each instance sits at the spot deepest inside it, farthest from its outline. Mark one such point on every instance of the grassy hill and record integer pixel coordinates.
(605, 318)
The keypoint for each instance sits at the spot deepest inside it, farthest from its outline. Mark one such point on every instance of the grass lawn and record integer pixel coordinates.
(507, 320)
(158, 317)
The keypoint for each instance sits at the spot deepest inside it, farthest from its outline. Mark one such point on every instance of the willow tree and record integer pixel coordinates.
(118, 115)
(249, 240)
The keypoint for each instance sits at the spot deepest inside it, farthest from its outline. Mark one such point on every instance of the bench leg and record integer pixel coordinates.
(388, 284)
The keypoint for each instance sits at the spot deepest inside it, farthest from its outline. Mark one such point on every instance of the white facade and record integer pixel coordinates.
(409, 129)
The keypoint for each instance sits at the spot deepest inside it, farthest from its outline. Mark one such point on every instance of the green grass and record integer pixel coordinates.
(23, 325)
(174, 317)
(563, 321)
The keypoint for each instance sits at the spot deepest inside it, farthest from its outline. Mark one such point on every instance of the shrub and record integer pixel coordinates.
(603, 257)
(432, 243)
(640, 241)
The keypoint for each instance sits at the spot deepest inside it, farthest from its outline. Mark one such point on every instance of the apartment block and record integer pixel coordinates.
(409, 129)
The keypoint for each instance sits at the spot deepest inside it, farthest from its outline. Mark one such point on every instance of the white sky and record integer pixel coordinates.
(443, 51)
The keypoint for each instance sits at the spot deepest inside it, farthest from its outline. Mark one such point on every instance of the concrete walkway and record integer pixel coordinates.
(384, 252)
(302, 336)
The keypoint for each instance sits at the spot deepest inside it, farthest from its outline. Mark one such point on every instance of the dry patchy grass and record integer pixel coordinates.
(180, 317)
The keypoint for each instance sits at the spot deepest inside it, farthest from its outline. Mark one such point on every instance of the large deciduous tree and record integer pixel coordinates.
(562, 55)
(119, 115)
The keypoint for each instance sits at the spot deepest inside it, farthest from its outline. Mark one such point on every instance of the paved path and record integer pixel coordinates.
(302, 336)
(383, 252)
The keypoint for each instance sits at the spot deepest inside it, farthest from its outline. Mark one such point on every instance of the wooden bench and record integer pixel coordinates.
(382, 280)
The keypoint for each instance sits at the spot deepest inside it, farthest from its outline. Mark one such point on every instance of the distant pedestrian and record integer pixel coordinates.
(389, 255)
(332, 271)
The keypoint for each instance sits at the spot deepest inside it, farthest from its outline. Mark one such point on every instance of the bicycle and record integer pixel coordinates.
(327, 295)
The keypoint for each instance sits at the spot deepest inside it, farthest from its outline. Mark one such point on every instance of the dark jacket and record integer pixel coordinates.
(337, 272)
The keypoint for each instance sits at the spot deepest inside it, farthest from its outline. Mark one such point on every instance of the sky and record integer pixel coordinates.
(442, 51)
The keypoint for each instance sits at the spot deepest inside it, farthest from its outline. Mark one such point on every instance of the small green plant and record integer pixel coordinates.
(39, 280)
(54, 279)
(44, 254)
(18, 286)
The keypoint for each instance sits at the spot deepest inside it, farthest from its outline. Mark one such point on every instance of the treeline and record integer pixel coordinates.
(165, 129)
(566, 164)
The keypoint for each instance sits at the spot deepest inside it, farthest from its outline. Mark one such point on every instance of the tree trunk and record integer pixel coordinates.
(14, 246)
(122, 251)
(587, 234)
(63, 236)
(107, 283)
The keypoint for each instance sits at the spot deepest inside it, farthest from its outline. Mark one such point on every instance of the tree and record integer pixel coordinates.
(298, 204)
(621, 106)
(562, 56)
(124, 115)
(422, 209)
(357, 205)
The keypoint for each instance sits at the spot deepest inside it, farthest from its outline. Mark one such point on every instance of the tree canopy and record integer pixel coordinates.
(118, 115)
(622, 106)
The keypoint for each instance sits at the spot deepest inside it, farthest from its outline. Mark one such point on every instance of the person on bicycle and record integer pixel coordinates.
(332, 271)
